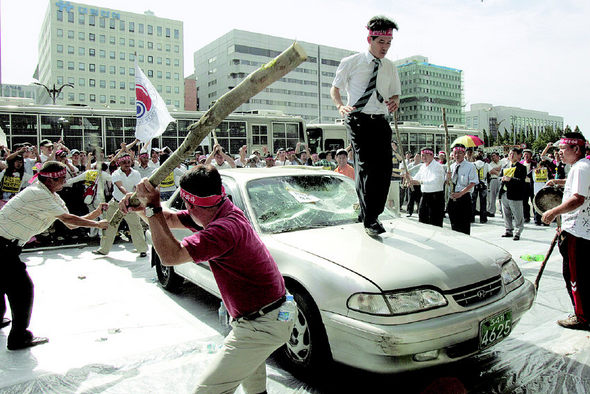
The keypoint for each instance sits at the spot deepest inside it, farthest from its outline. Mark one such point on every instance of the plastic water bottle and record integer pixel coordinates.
(223, 316)
(288, 310)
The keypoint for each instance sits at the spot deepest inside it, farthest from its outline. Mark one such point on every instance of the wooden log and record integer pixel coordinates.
(401, 151)
(249, 87)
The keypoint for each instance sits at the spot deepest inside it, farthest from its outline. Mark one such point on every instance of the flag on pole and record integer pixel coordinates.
(152, 115)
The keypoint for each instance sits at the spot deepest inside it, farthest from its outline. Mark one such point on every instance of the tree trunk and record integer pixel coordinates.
(249, 87)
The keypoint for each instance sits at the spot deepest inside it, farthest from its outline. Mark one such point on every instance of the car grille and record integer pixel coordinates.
(479, 292)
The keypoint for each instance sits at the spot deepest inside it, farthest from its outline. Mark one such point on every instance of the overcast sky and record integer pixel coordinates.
(532, 54)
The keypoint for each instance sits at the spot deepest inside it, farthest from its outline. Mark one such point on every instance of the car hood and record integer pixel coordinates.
(408, 254)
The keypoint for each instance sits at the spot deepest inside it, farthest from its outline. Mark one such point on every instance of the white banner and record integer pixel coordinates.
(152, 114)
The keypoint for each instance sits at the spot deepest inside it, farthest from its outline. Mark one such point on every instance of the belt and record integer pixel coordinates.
(372, 116)
(264, 310)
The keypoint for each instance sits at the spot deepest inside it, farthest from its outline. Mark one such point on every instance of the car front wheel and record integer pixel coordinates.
(307, 350)
(166, 275)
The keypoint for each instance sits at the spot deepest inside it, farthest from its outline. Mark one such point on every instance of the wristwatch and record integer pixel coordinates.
(151, 211)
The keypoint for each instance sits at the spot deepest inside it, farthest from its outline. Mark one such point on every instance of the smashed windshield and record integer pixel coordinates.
(289, 203)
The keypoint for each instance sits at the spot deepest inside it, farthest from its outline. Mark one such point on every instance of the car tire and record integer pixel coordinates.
(307, 352)
(166, 275)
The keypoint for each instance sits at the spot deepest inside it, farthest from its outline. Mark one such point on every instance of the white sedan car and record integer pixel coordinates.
(413, 297)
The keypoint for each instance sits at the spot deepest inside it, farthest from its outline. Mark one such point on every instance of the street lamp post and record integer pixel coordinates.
(54, 93)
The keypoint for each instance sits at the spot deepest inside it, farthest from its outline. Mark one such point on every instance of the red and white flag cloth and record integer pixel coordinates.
(152, 115)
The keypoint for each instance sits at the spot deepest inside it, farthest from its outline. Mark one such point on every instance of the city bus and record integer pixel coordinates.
(333, 136)
(80, 127)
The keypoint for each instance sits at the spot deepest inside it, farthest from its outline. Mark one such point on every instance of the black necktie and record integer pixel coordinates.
(371, 87)
(456, 175)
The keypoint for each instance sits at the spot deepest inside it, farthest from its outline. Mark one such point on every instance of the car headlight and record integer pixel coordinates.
(373, 304)
(510, 272)
(415, 301)
(397, 303)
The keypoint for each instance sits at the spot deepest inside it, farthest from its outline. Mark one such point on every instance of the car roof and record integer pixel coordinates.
(246, 174)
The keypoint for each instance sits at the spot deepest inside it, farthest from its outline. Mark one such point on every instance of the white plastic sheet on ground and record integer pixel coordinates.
(113, 329)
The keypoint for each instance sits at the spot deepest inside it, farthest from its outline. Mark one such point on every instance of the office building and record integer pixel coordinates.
(95, 49)
(426, 89)
(484, 116)
(305, 92)
(20, 91)
(190, 93)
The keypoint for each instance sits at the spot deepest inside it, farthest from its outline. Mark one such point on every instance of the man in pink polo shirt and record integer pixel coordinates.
(251, 286)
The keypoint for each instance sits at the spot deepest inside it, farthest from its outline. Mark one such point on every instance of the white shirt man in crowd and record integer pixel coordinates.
(125, 180)
(495, 167)
(463, 177)
(431, 178)
(143, 166)
(219, 159)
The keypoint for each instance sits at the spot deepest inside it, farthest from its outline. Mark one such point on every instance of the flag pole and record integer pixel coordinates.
(229, 102)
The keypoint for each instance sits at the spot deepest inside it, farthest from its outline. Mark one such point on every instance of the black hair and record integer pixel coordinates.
(322, 155)
(517, 150)
(202, 180)
(50, 166)
(10, 166)
(381, 23)
(163, 157)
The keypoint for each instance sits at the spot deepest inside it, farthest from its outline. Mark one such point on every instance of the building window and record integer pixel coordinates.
(70, 65)
(167, 47)
(70, 50)
(141, 28)
(71, 80)
(71, 17)
(167, 74)
(150, 45)
(102, 39)
(176, 49)
(91, 37)
(159, 47)
(60, 15)
(92, 98)
(102, 68)
(177, 63)
(131, 71)
(131, 42)
(112, 24)
(81, 36)
(91, 82)
(122, 85)
(112, 40)
(113, 84)
(103, 84)
(60, 48)
(176, 89)
(81, 19)
(122, 70)
(150, 30)
(167, 61)
(81, 82)
(102, 53)
(159, 60)
(131, 27)
(168, 32)
(82, 97)
(91, 52)
(159, 74)
(103, 98)
(176, 33)
(141, 58)
(150, 59)
(81, 51)
(122, 25)
(91, 68)
(112, 70)
(71, 97)
(131, 57)
(60, 64)
(150, 73)
(168, 89)
(121, 99)
(81, 66)
(176, 76)
(91, 20)
(71, 34)
(102, 22)
(60, 33)
(159, 30)
(111, 54)
(112, 100)
(121, 55)
(122, 41)
(140, 43)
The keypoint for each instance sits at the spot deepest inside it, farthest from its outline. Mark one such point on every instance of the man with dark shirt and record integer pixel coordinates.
(251, 286)
(512, 193)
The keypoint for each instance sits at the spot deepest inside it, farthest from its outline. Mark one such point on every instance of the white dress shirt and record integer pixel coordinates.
(128, 181)
(353, 75)
(431, 177)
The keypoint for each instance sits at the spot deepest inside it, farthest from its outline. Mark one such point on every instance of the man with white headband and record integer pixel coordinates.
(251, 286)
(431, 178)
(28, 213)
(373, 89)
(574, 239)
(463, 177)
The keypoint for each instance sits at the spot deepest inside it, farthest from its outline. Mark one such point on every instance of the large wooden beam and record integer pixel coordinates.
(249, 87)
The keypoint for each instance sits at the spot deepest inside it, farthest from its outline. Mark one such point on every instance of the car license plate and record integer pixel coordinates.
(495, 328)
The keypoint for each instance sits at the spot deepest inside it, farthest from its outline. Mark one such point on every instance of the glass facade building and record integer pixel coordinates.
(96, 48)
(426, 89)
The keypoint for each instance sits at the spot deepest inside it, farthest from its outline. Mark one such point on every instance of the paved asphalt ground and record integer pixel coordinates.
(113, 329)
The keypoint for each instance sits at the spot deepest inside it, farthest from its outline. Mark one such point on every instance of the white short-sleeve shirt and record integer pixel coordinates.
(129, 182)
(431, 177)
(577, 222)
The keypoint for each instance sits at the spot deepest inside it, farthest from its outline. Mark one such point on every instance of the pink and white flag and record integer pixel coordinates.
(152, 115)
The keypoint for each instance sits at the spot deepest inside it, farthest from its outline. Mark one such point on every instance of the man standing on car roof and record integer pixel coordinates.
(373, 88)
(251, 286)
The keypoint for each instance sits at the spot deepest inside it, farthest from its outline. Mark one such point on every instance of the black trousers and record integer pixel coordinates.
(574, 251)
(432, 208)
(460, 213)
(415, 196)
(480, 190)
(17, 285)
(371, 143)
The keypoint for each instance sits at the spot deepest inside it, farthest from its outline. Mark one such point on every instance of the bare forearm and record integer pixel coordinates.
(167, 246)
(73, 221)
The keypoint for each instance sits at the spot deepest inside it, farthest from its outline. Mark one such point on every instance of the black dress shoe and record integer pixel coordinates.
(29, 342)
(491, 215)
(143, 254)
(5, 322)
(516, 237)
(374, 229)
(507, 235)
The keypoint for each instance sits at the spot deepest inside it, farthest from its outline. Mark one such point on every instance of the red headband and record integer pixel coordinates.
(203, 202)
(442, 152)
(572, 141)
(427, 152)
(384, 33)
(459, 148)
(123, 159)
(53, 175)
(144, 154)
